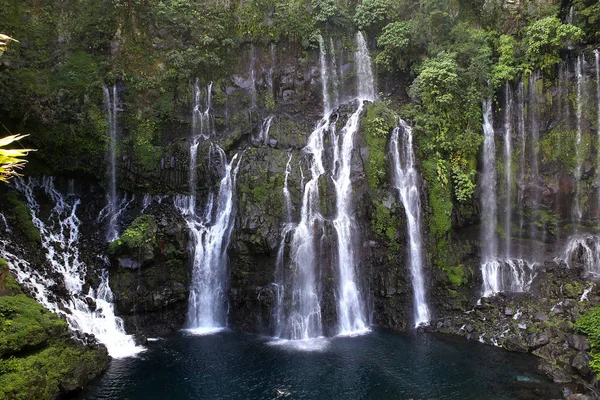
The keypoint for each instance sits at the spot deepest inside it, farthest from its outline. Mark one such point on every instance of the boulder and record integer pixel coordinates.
(581, 363)
(578, 342)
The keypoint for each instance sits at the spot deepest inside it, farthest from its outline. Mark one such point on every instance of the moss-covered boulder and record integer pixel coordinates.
(38, 357)
(150, 272)
(136, 245)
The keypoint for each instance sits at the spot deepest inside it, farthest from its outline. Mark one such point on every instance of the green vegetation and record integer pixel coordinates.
(376, 125)
(38, 359)
(589, 323)
(138, 240)
(20, 217)
(384, 223)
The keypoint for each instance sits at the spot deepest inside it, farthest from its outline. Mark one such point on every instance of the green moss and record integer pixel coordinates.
(42, 375)
(456, 275)
(560, 146)
(573, 290)
(138, 240)
(376, 125)
(20, 217)
(384, 223)
(440, 200)
(8, 284)
(25, 324)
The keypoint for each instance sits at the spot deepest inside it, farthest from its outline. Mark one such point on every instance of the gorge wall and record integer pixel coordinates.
(257, 80)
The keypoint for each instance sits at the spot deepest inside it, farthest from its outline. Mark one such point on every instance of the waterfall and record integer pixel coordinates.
(352, 318)
(304, 320)
(301, 317)
(111, 104)
(364, 70)
(263, 135)
(534, 112)
(507, 275)
(351, 312)
(406, 182)
(578, 210)
(252, 76)
(586, 250)
(523, 140)
(60, 240)
(597, 62)
(279, 284)
(488, 185)
(210, 236)
(508, 112)
(490, 265)
(201, 130)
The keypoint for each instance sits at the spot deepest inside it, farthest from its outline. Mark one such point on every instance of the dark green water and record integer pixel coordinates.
(380, 365)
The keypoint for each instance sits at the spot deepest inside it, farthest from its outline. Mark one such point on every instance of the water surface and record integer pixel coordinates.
(380, 365)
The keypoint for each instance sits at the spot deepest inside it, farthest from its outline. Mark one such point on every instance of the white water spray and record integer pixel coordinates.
(210, 234)
(60, 241)
(406, 182)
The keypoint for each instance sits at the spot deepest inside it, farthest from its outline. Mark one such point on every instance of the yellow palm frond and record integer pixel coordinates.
(10, 159)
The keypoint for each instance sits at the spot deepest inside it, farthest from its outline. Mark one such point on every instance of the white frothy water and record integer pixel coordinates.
(578, 209)
(488, 186)
(201, 130)
(263, 134)
(210, 233)
(508, 111)
(406, 182)
(111, 104)
(586, 250)
(352, 316)
(597, 64)
(507, 275)
(60, 241)
(350, 302)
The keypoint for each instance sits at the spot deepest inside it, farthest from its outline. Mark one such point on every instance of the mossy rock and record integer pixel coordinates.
(24, 324)
(8, 284)
(19, 216)
(138, 241)
(61, 367)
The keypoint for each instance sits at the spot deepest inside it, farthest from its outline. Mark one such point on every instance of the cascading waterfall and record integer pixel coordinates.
(523, 141)
(534, 108)
(508, 112)
(352, 318)
(490, 265)
(301, 317)
(488, 186)
(406, 182)
(279, 285)
(498, 274)
(111, 104)
(210, 234)
(597, 63)
(586, 250)
(578, 210)
(364, 70)
(304, 315)
(201, 130)
(299, 308)
(263, 134)
(60, 241)
(351, 312)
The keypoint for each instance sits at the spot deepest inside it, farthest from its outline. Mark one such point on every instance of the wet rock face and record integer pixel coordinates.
(539, 322)
(152, 296)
